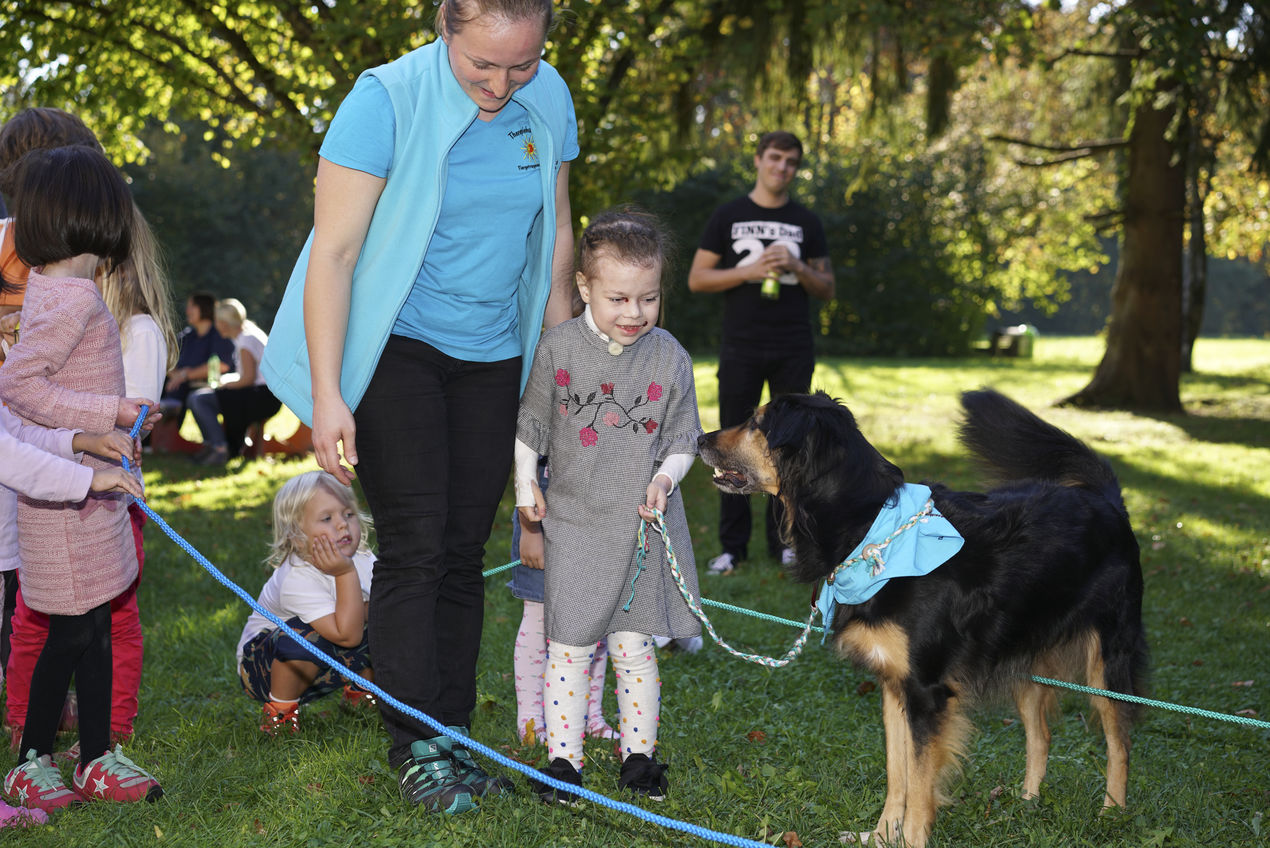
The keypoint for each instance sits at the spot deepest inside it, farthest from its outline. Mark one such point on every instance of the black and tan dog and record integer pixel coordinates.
(1047, 581)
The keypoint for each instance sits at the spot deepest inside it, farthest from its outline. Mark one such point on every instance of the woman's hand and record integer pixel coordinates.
(130, 408)
(114, 445)
(655, 498)
(333, 428)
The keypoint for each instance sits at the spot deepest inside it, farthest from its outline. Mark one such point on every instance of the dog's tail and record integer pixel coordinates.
(1013, 443)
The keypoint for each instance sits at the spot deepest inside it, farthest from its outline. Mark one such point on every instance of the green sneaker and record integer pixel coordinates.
(428, 779)
(471, 774)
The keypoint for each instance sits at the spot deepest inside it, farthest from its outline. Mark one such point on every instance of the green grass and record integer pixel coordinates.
(754, 750)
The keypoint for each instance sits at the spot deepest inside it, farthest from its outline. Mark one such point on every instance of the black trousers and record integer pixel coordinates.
(78, 645)
(434, 444)
(742, 372)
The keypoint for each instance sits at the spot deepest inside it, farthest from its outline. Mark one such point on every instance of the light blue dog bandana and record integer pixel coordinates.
(907, 539)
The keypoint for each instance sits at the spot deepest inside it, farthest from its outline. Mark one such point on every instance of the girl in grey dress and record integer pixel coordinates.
(611, 399)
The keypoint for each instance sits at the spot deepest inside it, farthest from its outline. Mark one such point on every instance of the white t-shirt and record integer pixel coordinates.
(253, 340)
(296, 589)
(145, 358)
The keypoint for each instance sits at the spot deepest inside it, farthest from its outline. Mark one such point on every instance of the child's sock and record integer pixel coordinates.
(566, 689)
(529, 658)
(596, 726)
(638, 691)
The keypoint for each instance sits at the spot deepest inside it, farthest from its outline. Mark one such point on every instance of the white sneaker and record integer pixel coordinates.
(722, 565)
(787, 556)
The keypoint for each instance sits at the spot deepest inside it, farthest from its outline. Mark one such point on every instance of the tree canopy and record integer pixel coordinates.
(967, 156)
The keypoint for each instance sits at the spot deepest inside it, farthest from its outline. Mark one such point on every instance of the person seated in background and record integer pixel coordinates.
(241, 398)
(196, 344)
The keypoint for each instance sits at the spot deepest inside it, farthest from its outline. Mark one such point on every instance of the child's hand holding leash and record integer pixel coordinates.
(655, 498)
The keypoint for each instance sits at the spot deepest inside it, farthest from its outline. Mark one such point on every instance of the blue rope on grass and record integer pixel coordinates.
(528, 771)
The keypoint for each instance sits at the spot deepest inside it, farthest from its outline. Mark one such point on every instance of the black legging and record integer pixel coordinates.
(78, 645)
(434, 444)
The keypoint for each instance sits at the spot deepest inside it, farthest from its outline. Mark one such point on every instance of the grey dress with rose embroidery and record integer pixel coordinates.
(608, 422)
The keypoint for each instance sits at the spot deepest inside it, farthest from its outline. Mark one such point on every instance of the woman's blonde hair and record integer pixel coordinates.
(139, 284)
(288, 513)
(232, 312)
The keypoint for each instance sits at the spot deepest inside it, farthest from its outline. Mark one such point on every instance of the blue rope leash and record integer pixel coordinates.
(528, 771)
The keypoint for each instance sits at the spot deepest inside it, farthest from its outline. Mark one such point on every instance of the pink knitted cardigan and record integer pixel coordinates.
(67, 371)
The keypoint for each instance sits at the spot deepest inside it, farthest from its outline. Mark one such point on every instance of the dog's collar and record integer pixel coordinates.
(909, 538)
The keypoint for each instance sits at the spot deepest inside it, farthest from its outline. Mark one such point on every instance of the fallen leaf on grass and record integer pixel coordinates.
(1248, 713)
(1238, 683)
(260, 828)
(756, 736)
(865, 687)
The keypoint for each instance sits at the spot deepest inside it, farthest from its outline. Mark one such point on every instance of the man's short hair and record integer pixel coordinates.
(781, 140)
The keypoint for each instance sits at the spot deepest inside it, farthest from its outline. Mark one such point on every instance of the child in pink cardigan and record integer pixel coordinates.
(41, 463)
(72, 211)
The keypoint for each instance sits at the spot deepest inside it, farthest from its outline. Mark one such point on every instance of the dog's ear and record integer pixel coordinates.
(831, 478)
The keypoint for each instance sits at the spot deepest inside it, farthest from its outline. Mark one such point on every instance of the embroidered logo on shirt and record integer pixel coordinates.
(528, 147)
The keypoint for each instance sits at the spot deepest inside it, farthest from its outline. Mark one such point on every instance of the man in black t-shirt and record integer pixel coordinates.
(767, 336)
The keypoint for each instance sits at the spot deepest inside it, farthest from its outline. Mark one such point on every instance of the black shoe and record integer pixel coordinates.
(471, 774)
(643, 776)
(561, 770)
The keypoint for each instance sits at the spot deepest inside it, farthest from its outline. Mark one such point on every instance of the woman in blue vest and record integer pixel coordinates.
(442, 240)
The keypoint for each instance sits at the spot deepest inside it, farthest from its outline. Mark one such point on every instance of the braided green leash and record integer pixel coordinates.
(695, 605)
(869, 554)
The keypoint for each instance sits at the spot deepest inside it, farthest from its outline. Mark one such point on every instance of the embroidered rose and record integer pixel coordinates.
(654, 392)
(650, 425)
(562, 377)
(589, 437)
(612, 419)
(606, 388)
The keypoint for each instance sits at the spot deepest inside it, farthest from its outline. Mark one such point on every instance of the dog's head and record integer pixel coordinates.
(808, 451)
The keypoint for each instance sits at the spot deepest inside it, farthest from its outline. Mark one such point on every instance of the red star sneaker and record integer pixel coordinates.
(114, 777)
(38, 785)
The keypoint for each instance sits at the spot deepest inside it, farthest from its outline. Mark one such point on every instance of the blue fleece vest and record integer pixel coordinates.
(431, 112)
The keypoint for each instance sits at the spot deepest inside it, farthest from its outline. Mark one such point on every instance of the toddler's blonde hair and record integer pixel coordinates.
(288, 513)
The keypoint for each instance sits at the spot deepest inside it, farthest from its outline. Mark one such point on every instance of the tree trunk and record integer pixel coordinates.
(1195, 270)
(1141, 366)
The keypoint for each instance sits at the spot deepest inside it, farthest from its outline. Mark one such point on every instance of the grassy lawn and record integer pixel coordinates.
(755, 751)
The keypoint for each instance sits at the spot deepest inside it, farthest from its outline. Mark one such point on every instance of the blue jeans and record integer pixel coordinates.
(434, 444)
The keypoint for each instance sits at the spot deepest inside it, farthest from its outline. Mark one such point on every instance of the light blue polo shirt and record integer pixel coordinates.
(463, 301)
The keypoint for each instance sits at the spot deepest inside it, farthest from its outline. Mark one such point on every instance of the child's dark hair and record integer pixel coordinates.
(627, 234)
(69, 201)
(38, 128)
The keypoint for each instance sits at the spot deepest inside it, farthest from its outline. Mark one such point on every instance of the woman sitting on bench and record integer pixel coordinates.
(241, 399)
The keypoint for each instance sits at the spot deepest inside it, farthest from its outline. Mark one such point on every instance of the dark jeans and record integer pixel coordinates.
(77, 645)
(434, 446)
(239, 407)
(742, 373)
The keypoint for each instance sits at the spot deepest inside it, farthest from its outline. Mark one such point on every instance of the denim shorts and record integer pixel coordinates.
(269, 645)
